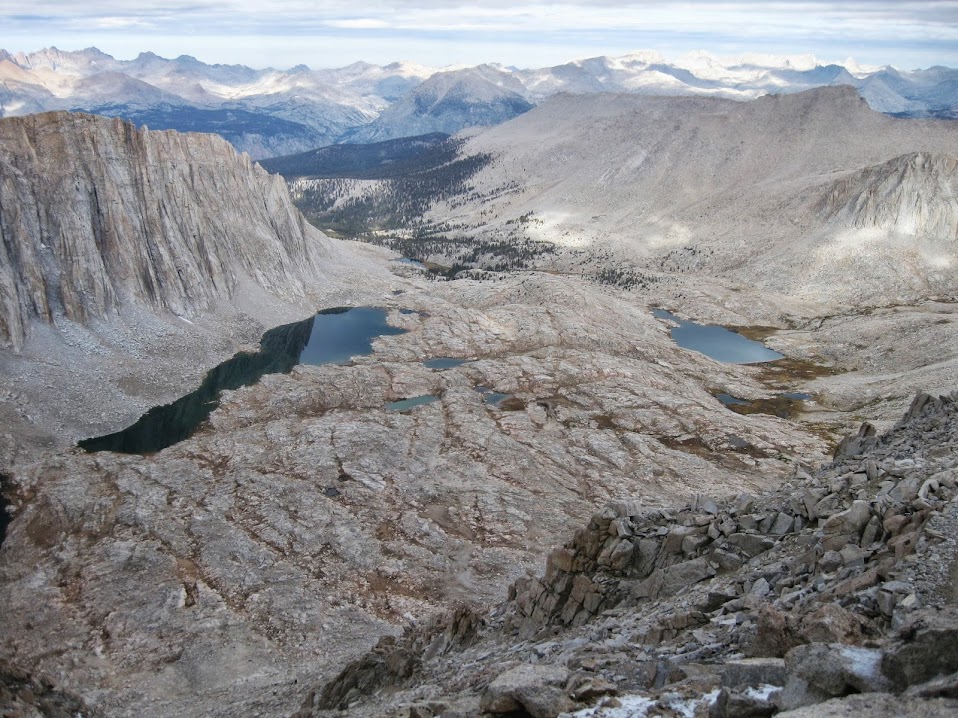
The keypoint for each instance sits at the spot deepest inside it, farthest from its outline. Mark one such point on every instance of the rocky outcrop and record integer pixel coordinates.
(912, 194)
(838, 583)
(95, 214)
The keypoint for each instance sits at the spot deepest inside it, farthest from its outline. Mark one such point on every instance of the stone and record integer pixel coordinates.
(857, 444)
(831, 623)
(774, 636)
(818, 671)
(737, 704)
(853, 556)
(941, 687)
(925, 647)
(750, 544)
(673, 542)
(851, 521)
(537, 689)
(830, 561)
(28, 694)
(782, 525)
(760, 588)
(586, 687)
(877, 705)
(692, 544)
(827, 506)
(753, 672)
(871, 532)
(669, 581)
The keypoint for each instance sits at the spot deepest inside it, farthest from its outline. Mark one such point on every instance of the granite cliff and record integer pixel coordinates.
(95, 213)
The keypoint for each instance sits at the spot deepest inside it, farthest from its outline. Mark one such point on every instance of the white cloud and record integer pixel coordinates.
(359, 23)
(902, 32)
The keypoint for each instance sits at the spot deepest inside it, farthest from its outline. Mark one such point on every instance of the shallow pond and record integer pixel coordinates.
(717, 342)
(332, 336)
(785, 406)
(412, 402)
(492, 398)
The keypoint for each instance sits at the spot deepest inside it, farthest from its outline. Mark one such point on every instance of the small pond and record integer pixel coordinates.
(785, 406)
(492, 398)
(443, 363)
(717, 342)
(412, 402)
(333, 336)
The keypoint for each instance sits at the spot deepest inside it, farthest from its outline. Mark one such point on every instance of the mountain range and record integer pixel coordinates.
(269, 112)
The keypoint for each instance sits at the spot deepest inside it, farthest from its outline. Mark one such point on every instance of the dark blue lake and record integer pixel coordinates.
(717, 342)
(332, 336)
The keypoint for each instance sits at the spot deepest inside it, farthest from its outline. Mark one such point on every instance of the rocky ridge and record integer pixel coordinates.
(839, 582)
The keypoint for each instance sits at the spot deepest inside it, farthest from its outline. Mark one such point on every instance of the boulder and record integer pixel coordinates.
(833, 624)
(774, 637)
(819, 671)
(924, 648)
(877, 705)
(536, 689)
(754, 672)
(851, 521)
(737, 704)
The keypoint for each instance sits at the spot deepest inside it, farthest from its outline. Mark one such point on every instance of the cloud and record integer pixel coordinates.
(359, 23)
(441, 31)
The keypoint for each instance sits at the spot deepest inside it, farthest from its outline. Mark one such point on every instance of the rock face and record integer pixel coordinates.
(877, 617)
(95, 214)
(907, 194)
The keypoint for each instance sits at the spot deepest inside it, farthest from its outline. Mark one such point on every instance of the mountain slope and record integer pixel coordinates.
(743, 183)
(95, 214)
(360, 161)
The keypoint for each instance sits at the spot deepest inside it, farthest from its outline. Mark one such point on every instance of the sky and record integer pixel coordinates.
(525, 33)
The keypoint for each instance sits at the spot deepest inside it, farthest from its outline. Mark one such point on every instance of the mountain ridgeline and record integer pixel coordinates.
(96, 214)
(269, 112)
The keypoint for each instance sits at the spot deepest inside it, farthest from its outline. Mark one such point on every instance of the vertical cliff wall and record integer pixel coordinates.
(95, 213)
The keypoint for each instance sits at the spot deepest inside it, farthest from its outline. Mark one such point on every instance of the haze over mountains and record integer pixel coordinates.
(272, 112)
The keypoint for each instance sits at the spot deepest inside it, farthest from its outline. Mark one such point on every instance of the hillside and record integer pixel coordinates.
(376, 160)
(744, 190)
